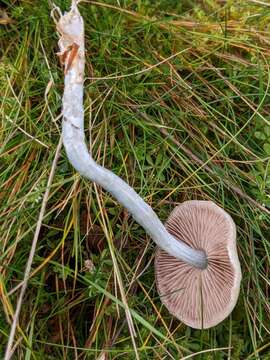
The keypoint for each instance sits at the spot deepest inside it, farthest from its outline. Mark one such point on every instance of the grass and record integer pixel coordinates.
(196, 126)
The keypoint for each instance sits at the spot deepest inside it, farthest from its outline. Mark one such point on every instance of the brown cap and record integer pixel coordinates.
(200, 298)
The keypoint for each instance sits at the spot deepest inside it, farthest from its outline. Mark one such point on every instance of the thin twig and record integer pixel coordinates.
(9, 350)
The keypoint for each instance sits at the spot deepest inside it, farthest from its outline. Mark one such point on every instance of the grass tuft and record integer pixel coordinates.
(191, 126)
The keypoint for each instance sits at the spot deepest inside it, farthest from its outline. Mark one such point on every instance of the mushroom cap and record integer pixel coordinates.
(200, 298)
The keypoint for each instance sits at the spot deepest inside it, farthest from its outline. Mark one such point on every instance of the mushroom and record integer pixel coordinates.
(72, 54)
(200, 298)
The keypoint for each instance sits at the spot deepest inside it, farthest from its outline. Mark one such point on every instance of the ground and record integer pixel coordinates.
(177, 104)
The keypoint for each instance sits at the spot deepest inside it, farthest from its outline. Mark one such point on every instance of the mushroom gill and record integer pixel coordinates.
(200, 298)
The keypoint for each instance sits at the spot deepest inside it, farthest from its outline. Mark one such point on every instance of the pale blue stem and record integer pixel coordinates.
(71, 29)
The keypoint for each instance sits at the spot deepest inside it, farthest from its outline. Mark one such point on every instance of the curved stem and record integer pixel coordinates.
(71, 43)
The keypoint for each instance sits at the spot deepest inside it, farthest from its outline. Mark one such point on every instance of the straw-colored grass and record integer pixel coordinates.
(177, 104)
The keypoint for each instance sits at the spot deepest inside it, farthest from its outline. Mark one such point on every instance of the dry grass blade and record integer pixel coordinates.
(194, 125)
(4, 18)
(15, 320)
(108, 235)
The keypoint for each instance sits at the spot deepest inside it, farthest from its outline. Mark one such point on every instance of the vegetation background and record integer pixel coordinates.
(195, 126)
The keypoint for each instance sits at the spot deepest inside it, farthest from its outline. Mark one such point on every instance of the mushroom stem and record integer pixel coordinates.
(71, 28)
